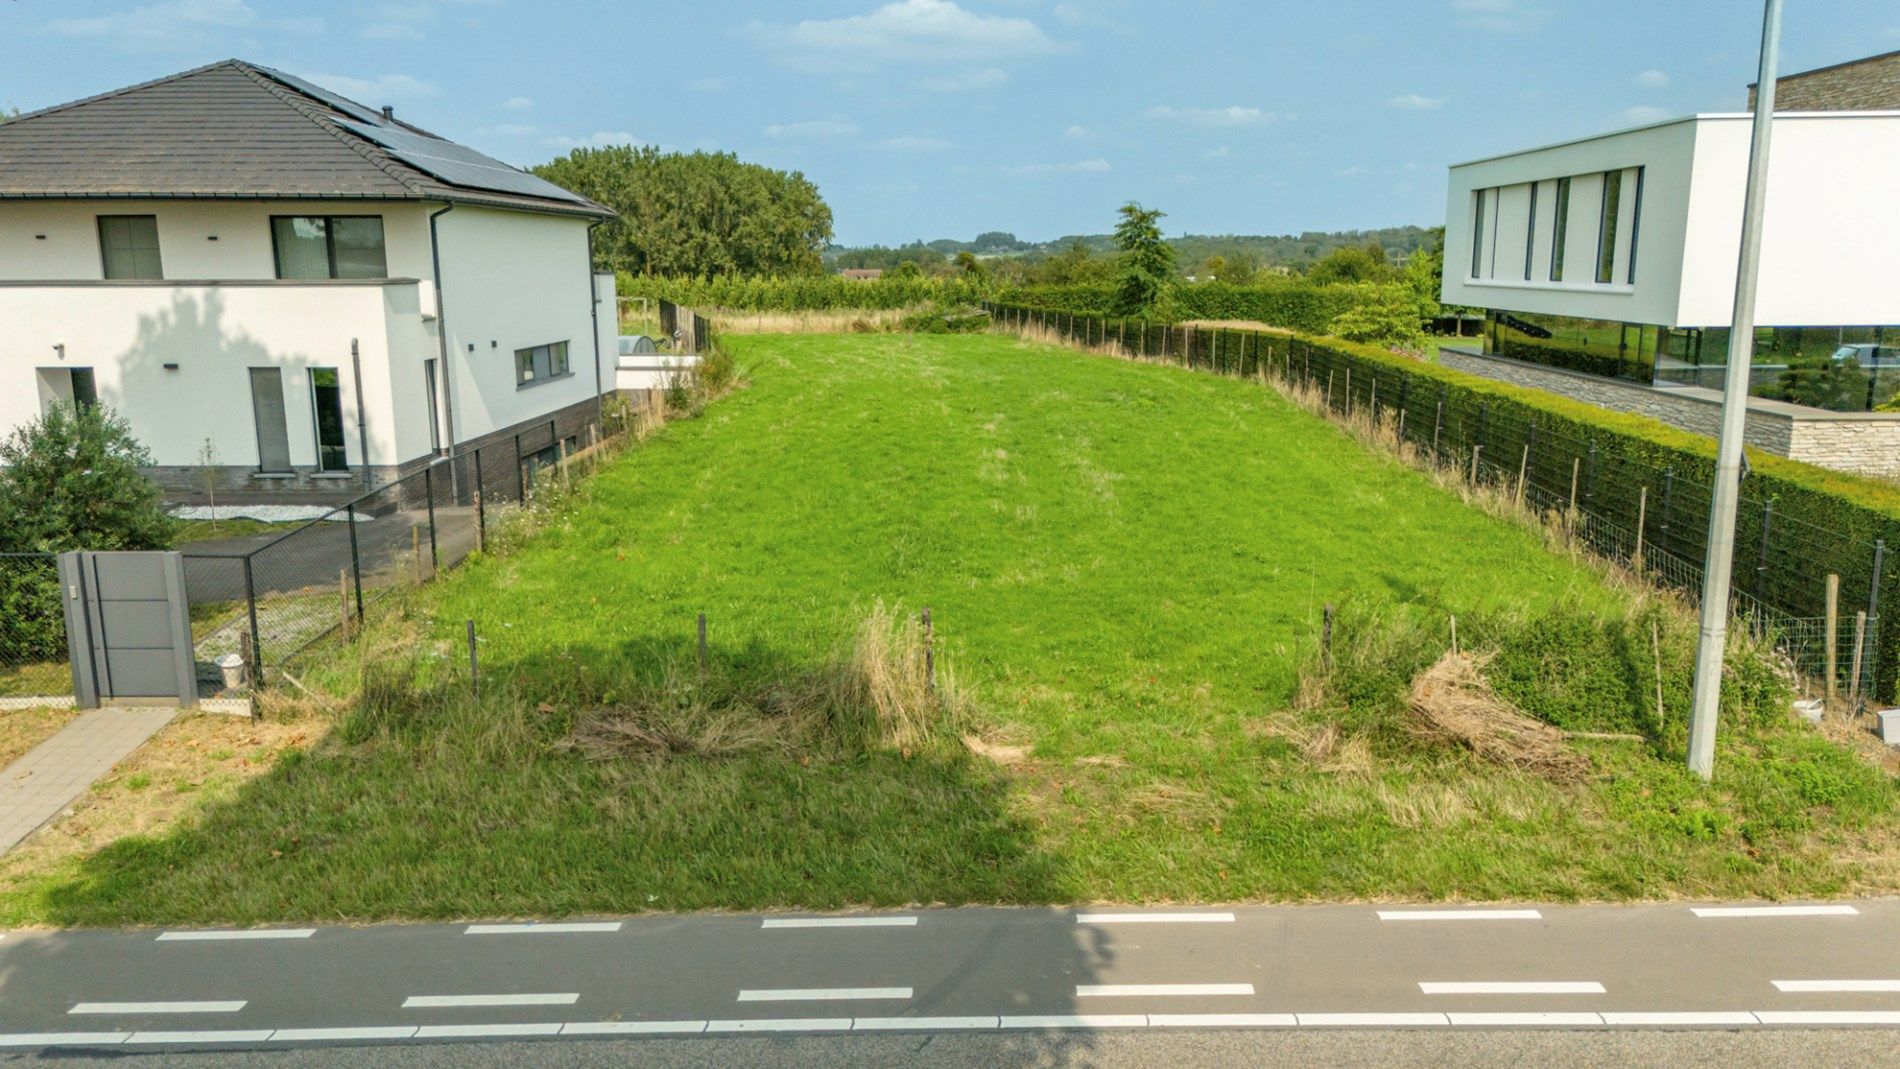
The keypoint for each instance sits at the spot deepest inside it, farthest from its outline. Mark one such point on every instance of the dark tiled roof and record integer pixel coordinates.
(231, 129)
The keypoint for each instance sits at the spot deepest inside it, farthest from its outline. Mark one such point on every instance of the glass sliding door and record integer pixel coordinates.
(267, 410)
(326, 397)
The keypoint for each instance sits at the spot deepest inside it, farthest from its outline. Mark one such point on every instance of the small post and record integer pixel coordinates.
(343, 600)
(1642, 518)
(1326, 635)
(1438, 424)
(1454, 634)
(1576, 468)
(702, 643)
(474, 667)
(1476, 452)
(415, 550)
(248, 650)
(1348, 398)
(561, 451)
(930, 653)
(428, 491)
(1831, 637)
(1329, 389)
(1860, 644)
(481, 524)
(1523, 470)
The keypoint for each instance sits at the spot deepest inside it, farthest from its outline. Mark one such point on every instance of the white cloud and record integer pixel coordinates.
(1500, 16)
(963, 81)
(1220, 153)
(1077, 133)
(1415, 102)
(1078, 167)
(509, 129)
(597, 139)
(907, 30)
(1653, 79)
(1349, 172)
(1228, 116)
(390, 31)
(517, 104)
(1644, 113)
(383, 87)
(161, 27)
(910, 143)
(708, 85)
(812, 129)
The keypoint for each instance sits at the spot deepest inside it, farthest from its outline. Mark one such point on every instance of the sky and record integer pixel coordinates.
(945, 118)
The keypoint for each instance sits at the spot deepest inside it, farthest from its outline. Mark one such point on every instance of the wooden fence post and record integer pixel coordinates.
(1860, 643)
(1523, 470)
(1832, 635)
(1642, 521)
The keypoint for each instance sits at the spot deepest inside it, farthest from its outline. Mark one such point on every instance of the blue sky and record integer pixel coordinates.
(942, 118)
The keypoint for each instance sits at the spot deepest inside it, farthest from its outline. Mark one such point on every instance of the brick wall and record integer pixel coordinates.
(1864, 442)
(1871, 84)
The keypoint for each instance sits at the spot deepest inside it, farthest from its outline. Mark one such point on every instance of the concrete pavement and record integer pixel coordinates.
(1070, 974)
(46, 779)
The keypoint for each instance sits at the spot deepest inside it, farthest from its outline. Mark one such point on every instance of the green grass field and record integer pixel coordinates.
(1126, 565)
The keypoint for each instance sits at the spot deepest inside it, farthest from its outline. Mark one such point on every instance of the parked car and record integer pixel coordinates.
(1869, 356)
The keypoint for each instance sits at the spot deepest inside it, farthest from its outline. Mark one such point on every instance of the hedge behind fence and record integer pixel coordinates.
(1797, 523)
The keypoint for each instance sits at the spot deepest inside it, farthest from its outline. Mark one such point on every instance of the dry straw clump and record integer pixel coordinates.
(882, 691)
(1452, 701)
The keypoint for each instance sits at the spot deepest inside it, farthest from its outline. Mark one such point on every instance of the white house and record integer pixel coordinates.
(323, 294)
(1616, 255)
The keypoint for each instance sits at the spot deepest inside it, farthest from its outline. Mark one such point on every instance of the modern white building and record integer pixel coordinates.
(1615, 255)
(313, 294)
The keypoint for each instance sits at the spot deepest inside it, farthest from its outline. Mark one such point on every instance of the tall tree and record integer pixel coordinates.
(697, 213)
(1146, 260)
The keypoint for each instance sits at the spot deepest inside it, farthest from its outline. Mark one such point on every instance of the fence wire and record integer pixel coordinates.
(33, 653)
(1652, 518)
(270, 603)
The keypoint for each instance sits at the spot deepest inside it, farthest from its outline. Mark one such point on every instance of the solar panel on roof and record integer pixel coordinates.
(456, 164)
(335, 100)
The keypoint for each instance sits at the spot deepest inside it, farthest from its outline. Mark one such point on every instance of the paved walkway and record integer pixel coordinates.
(37, 787)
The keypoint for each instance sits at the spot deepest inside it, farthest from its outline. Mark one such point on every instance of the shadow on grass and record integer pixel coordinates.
(429, 804)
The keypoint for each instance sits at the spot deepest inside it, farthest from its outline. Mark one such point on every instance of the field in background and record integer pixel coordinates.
(1127, 567)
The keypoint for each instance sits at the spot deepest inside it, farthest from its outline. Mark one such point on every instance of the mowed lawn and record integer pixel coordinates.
(1126, 565)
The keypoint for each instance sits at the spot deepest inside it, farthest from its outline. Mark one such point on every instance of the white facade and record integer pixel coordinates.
(173, 356)
(1830, 236)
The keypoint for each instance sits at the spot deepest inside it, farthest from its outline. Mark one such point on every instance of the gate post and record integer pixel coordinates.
(79, 651)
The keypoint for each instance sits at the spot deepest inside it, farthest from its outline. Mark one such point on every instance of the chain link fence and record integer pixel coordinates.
(1813, 591)
(33, 661)
(263, 606)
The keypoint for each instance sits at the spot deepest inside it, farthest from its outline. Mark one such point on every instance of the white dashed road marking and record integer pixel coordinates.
(435, 1002)
(823, 994)
(231, 1006)
(1511, 987)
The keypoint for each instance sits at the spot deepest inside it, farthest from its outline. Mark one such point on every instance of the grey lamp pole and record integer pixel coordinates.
(1728, 450)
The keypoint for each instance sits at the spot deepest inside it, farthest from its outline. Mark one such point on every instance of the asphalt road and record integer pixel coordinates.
(1254, 985)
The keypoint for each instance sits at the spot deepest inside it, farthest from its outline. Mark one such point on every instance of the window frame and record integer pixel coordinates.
(329, 247)
(540, 360)
(1608, 211)
(1530, 233)
(105, 260)
(1477, 235)
(1636, 226)
(1559, 229)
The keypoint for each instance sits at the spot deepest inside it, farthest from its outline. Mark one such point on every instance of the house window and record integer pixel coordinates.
(326, 399)
(73, 386)
(1530, 233)
(1477, 238)
(329, 246)
(267, 411)
(128, 246)
(541, 363)
(1636, 225)
(1606, 226)
(1560, 226)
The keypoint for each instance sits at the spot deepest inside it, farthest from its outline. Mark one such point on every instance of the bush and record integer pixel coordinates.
(939, 319)
(68, 480)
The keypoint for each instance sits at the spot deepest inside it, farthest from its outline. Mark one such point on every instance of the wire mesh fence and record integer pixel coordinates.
(33, 653)
(1814, 591)
(268, 604)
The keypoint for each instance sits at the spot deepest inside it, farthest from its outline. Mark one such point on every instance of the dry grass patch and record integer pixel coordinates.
(23, 729)
(197, 761)
(1453, 702)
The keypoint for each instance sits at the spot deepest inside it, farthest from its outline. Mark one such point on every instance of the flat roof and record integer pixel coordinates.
(1705, 116)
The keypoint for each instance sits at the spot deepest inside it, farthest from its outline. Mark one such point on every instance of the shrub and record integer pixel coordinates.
(69, 480)
(940, 319)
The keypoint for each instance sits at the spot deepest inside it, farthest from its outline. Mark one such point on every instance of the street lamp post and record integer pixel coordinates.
(1728, 450)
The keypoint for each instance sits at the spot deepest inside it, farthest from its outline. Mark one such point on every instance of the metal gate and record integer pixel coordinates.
(129, 628)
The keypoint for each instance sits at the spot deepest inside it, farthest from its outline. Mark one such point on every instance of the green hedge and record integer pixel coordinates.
(799, 293)
(1290, 303)
(1797, 522)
